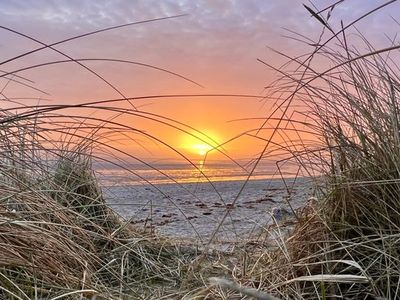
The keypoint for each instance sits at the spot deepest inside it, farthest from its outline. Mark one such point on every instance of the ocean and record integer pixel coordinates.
(111, 174)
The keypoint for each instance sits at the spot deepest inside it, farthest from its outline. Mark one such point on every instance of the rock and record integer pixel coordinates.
(281, 214)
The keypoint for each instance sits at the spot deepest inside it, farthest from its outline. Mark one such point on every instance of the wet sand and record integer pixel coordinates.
(195, 210)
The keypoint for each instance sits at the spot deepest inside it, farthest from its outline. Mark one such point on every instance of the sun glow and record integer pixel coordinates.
(202, 149)
(200, 144)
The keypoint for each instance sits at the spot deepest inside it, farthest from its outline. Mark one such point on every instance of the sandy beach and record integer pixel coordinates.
(194, 210)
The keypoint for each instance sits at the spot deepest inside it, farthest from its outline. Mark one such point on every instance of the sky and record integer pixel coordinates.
(215, 44)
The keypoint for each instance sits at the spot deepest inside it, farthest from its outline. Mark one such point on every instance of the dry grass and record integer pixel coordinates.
(346, 244)
(58, 235)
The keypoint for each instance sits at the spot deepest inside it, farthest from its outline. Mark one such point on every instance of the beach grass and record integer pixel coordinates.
(59, 237)
(60, 240)
(345, 244)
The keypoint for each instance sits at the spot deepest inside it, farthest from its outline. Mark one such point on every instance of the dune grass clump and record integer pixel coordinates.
(346, 245)
(74, 173)
(58, 237)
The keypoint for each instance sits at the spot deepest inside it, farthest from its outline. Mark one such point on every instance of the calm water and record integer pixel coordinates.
(166, 172)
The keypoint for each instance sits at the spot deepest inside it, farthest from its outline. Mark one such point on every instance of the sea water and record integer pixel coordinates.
(164, 172)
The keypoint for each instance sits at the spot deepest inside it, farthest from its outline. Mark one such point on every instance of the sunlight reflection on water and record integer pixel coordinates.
(134, 174)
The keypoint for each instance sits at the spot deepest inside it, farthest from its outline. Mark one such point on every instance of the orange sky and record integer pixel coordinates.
(217, 45)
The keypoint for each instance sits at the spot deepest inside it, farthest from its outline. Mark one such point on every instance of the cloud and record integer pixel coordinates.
(217, 43)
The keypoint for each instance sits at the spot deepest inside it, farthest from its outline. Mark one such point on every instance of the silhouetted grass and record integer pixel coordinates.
(345, 244)
(58, 237)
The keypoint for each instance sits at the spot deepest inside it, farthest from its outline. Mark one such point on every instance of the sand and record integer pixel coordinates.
(195, 210)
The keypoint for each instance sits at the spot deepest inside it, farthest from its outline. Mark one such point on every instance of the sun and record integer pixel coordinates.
(202, 149)
(200, 144)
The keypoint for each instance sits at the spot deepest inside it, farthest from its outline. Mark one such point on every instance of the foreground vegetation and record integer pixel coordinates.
(59, 239)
